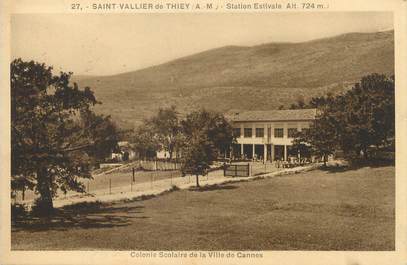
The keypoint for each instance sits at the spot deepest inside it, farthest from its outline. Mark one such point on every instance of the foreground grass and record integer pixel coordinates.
(317, 210)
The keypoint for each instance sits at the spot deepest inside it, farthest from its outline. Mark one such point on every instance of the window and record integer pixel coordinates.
(304, 131)
(259, 132)
(291, 132)
(279, 132)
(247, 132)
(236, 132)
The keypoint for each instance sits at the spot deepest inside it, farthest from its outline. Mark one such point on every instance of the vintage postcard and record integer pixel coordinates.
(150, 132)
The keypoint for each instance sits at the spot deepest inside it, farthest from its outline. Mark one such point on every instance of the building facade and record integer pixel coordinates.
(268, 135)
(124, 152)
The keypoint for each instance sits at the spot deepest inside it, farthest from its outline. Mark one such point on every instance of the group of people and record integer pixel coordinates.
(292, 162)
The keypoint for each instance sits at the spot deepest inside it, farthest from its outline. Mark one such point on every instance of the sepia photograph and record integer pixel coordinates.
(164, 133)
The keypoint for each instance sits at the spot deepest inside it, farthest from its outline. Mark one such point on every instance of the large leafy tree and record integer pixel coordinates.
(206, 135)
(320, 138)
(357, 121)
(198, 154)
(165, 126)
(100, 133)
(145, 141)
(214, 125)
(368, 116)
(55, 136)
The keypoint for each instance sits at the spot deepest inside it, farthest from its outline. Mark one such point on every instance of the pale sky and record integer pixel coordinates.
(105, 44)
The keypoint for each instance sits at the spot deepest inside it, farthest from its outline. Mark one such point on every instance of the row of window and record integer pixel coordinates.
(278, 132)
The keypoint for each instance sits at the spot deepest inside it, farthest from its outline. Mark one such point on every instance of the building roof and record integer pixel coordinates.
(274, 115)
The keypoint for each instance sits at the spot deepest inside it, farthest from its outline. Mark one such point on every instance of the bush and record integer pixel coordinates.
(146, 197)
(18, 212)
(174, 188)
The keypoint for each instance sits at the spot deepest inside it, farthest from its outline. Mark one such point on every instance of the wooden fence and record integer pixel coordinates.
(237, 170)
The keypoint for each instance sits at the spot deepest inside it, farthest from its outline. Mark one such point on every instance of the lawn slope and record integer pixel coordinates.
(316, 210)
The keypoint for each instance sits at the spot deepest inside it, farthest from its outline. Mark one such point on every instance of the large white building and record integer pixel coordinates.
(268, 135)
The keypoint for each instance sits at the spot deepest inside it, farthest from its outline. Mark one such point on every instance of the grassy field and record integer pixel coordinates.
(317, 210)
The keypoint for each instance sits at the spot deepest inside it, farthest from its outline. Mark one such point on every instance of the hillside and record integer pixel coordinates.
(244, 78)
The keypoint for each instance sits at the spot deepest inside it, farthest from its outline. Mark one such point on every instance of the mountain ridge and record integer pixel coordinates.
(232, 77)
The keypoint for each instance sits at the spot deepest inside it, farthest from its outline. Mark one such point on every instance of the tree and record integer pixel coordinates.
(165, 126)
(368, 116)
(197, 155)
(205, 135)
(356, 121)
(54, 135)
(319, 138)
(212, 124)
(145, 141)
(102, 132)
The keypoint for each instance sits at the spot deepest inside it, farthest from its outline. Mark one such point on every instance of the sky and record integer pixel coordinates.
(107, 44)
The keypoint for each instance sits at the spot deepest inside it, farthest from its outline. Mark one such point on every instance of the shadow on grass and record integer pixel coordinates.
(83, 215)
(213, 188)
(335, 168)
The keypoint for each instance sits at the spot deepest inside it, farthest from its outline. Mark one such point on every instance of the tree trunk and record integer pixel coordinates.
(45, 206)
(197, 181)
(324, 157)
(170, 151)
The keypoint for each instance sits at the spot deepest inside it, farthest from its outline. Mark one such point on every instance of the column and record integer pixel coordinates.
(299, 129)
(241, 150)
(253, 151)
(265, 153)
(285, 152)
(265, 142)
